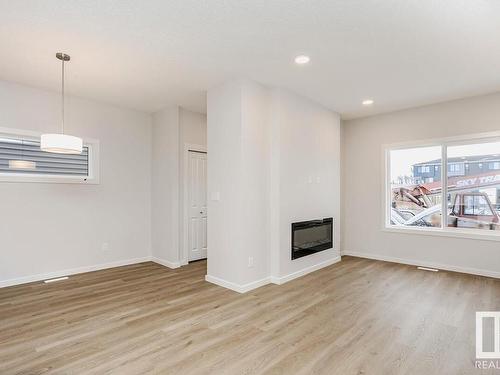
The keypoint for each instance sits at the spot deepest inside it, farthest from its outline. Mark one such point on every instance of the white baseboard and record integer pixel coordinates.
(72, 271)
(283, 279)
(237, 287)
(272, 279)
(212, 279)
(166, 263)
(412, 262)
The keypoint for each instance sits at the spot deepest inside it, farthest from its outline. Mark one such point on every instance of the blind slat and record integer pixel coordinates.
(41, 160)
(43, 171)
(43, 154)
(5, 164)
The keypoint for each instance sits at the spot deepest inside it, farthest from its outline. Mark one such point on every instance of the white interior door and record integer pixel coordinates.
(197, 198)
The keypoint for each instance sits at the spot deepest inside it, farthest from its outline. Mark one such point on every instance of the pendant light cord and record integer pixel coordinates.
(62, 95)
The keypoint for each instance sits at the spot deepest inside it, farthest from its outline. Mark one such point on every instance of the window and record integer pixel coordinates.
(494, 166)
(453, 167)
(21, 160)
(468, 203)
(476, 191)
(411, 195)
(476, 205)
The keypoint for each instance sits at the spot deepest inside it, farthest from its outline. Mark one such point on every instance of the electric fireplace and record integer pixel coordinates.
(309, 237)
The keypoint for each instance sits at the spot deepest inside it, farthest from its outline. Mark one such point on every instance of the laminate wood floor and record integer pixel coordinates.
(356, 317)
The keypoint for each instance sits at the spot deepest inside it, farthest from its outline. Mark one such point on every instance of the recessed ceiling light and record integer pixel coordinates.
(368, 102)
(302, 59)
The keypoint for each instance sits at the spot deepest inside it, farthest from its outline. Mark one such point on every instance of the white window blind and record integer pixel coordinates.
(22, 156)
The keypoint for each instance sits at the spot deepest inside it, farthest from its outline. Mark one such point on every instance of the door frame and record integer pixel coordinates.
(185, 204)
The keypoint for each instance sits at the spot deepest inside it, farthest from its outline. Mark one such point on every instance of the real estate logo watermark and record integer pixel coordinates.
(487, 340)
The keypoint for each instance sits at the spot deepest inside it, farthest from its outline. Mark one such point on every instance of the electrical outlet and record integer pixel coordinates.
(250, 262)
(105, 246)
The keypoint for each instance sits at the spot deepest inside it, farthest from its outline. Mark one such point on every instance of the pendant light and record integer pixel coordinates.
(61, 143)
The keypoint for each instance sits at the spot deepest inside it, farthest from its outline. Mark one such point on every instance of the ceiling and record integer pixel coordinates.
(148, 54)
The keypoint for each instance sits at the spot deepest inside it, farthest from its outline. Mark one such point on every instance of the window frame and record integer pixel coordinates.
(93, 170)
(444, 230)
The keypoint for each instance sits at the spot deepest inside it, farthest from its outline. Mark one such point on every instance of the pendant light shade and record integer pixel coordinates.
(61, 143)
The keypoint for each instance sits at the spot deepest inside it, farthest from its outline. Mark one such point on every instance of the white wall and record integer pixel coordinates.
(165, 186)
(265, 145)
(229, 141)
(50, 228)
(173, 128)
(252, 207)
(362, 184)
(307, 148)
(193, 127)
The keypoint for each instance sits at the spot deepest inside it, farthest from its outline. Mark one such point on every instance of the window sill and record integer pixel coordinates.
(13, 178)
(458, 233)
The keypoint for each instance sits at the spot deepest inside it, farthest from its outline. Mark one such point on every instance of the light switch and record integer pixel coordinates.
(215, 196)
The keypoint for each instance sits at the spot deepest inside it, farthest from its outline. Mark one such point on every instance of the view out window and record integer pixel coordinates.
(495, 165)
(413, 192)
(470, 195)
(21, 159)
(476, 205)
(478, 191)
